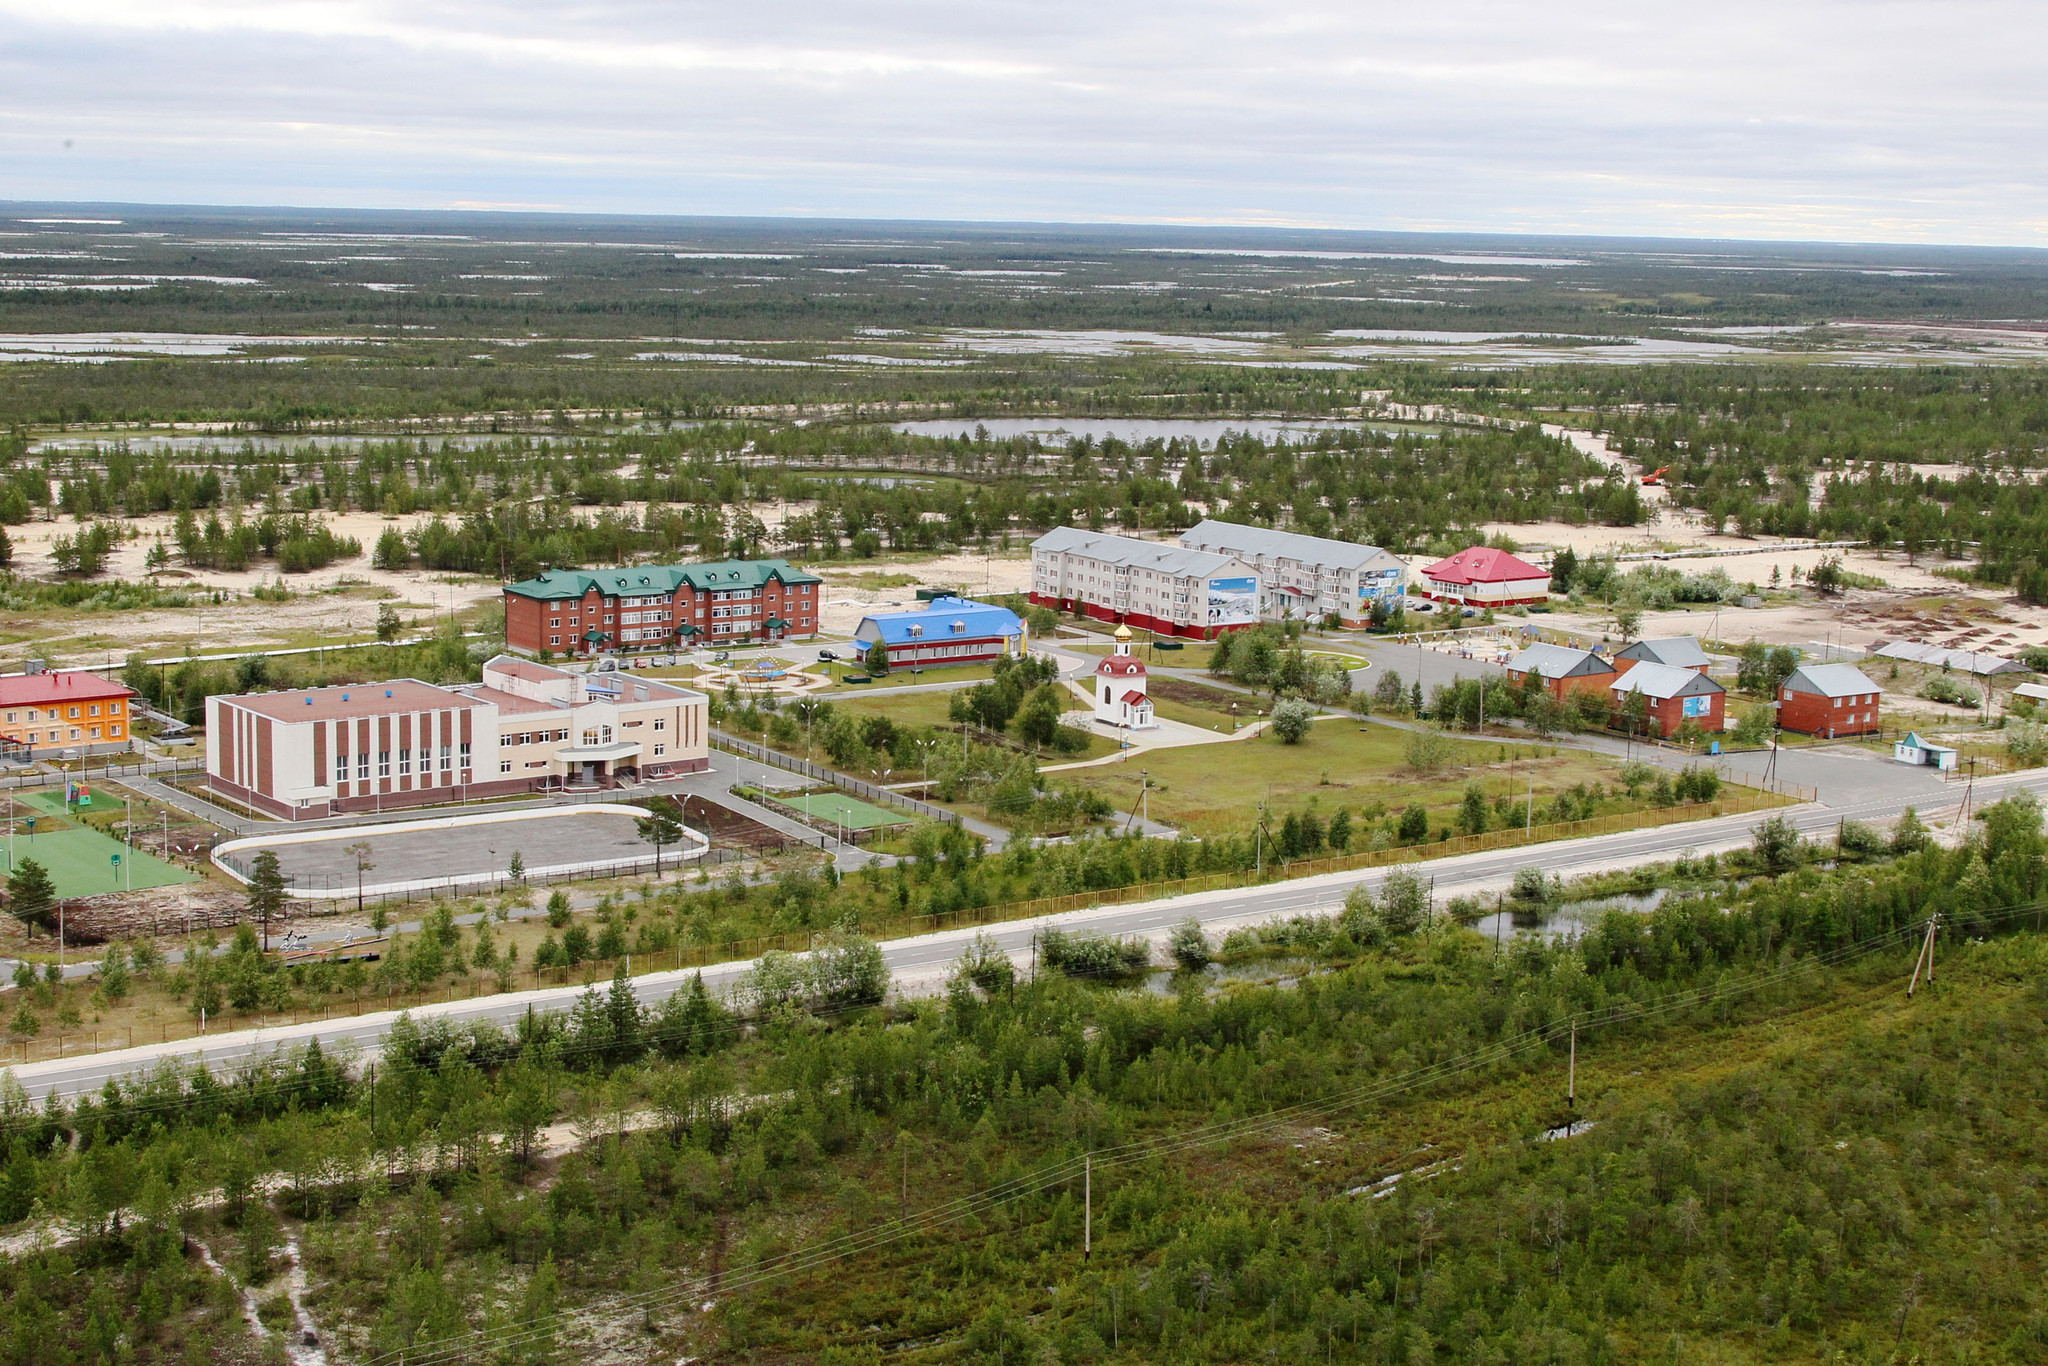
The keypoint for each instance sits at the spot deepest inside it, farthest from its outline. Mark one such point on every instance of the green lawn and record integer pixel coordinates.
(1216, 789)
(902, 677)
(841, 809)
(80, 862)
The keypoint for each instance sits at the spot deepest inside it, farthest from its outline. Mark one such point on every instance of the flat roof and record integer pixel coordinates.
(507, 703)
(352, 701)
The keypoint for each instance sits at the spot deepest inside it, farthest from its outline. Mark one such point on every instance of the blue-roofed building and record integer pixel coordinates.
(944, 631)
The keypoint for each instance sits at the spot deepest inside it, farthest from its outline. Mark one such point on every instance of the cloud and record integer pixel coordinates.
(1830, 118)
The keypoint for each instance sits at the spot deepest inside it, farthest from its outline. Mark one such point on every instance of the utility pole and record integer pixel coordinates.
(1926, 955)
(1087, 1206)
(1571, 1091)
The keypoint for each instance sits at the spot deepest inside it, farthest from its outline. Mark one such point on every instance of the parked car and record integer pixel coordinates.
(1421, 605)
(827, 657)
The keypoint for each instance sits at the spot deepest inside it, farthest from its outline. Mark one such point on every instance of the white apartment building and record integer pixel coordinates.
(1307, 578)
(1165, 589)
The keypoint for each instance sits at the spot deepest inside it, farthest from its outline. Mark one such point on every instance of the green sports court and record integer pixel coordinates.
(80, 861)
(840, 809)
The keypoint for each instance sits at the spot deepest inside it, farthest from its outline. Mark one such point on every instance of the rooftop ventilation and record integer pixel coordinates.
(387, 692)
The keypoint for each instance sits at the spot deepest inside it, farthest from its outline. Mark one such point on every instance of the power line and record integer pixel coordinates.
(1062, 1172)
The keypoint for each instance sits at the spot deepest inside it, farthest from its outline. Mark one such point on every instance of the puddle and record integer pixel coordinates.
(1567, 920)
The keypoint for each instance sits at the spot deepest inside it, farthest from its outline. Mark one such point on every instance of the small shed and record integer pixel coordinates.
(1925, 753)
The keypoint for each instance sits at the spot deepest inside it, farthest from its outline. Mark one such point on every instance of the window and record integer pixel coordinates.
(447, 758)
(95, 732)
(341, 768)
(504, 765)
(554, 640)
(405, 763)
(383, 763)
(465, 754)
(661, 723)
(93, 710)
(10, 717)
(589, 737)
(554, 621)
(113, 730)
(74, 713)
(363, 767)
(660, 750)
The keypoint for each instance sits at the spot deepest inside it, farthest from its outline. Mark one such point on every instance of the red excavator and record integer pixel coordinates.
(1655, 478)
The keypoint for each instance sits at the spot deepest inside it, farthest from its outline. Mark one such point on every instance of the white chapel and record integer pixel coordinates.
(1120, 688)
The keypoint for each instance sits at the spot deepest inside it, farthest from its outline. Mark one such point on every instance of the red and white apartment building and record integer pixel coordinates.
(661, 607)
(312, 752)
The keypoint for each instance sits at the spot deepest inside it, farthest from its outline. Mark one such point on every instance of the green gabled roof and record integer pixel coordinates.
(563, 585)
(741, 574)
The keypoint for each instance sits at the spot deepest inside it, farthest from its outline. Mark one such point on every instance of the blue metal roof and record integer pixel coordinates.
(942, 619)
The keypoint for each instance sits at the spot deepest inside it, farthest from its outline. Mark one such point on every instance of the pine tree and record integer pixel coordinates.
(31, 895)
(622, 1018)
(266, 892)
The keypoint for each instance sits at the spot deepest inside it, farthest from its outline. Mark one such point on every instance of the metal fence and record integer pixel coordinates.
(170, 769)
(485, 884)
(866, 791)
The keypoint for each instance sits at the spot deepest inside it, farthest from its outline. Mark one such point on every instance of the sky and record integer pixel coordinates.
(1852, 120)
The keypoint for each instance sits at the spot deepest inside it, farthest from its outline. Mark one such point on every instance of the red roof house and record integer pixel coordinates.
(1480, 576)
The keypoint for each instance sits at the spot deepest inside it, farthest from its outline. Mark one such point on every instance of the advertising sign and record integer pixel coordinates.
(1697, 706)
(1233, 602)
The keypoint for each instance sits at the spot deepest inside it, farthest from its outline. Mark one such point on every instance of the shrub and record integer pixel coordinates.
(1189, 945)
(2026, 741)
(1092, 955)
(1427, 751)
(1292, 717)
(1940, 689)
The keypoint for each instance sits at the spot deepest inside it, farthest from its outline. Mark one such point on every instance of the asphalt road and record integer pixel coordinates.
(916, 962)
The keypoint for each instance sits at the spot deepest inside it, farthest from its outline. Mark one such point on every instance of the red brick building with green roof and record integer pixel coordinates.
(661, 607)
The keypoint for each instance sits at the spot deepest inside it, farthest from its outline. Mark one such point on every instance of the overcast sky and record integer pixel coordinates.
(1867, 120)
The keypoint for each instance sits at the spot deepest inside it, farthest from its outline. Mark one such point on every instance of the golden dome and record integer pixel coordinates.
(1123, 633)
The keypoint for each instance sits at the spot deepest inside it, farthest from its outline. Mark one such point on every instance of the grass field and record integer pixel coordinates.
(1216, 789)
(841, 809)
(80, 862)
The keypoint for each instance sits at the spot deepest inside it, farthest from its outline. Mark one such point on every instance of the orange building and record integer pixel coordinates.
(44, 714)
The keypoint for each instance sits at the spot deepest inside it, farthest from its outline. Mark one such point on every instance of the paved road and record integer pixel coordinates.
(917, 963)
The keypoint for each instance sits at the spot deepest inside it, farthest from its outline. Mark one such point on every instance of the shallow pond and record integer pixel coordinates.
(1566, 920)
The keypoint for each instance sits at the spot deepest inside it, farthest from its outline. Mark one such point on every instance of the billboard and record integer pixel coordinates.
(1233, 602)
(1702, 705)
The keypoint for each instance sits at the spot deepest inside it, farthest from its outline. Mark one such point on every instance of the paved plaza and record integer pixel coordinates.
(461, 849)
